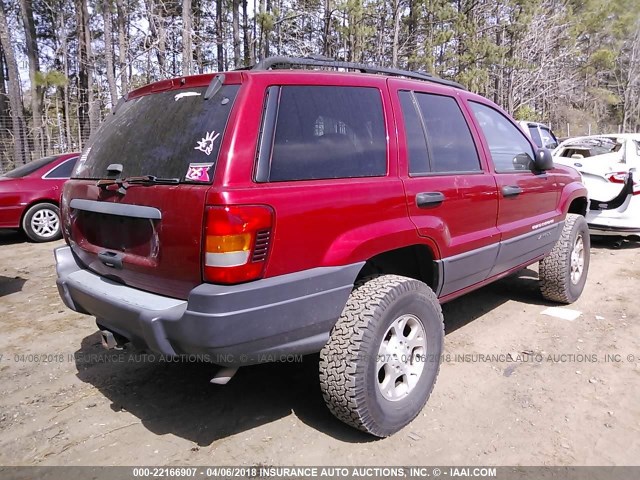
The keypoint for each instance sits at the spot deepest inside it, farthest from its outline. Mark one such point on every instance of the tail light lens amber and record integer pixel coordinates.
(231, 233)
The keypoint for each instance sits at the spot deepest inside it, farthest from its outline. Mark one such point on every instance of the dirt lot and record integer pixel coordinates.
(66, 401)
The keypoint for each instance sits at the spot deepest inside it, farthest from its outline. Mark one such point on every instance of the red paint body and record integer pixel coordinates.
(18, 194)
(320, 222)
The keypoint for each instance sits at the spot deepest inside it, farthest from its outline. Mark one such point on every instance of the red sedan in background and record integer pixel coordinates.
(29, 196)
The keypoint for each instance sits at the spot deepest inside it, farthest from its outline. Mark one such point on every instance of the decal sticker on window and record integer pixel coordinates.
(80, 165)
(198, 172)
(186, 94)
(85, 154)
(206, 144)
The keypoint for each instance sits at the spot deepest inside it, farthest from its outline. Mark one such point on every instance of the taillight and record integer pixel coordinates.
(236, 243)
(618, 177)
(621, 177)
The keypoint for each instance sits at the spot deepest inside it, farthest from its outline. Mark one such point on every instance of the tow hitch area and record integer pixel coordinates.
(109, 341)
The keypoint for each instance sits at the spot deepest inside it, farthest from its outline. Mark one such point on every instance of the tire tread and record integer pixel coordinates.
(351, 339)
(554, 280)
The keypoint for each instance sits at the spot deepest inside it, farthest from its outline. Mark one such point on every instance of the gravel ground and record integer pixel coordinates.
(516, 387)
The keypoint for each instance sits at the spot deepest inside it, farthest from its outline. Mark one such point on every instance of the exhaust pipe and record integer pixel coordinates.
(224, 375)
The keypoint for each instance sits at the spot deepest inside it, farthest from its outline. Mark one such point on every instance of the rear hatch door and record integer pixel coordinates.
(134, 208)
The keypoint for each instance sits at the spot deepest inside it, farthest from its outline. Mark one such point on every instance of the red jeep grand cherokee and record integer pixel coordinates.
(259, 213)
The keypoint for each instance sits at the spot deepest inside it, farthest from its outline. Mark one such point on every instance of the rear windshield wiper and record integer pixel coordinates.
(151, 180)
(121, 184)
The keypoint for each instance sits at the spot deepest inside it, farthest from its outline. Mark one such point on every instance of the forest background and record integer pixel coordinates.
(572, 64)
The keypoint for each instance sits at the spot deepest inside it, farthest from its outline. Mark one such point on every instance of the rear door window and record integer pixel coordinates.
(448, 135)
(172, 134)
(324, 132)
(438, 137)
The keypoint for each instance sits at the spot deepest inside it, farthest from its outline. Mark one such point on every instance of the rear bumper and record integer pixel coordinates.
(256, 322)
(613, 230)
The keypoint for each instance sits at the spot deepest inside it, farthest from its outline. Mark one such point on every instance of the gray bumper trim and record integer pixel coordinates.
(239, 324)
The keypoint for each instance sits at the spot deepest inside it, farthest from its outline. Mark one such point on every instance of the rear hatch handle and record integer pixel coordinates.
(111, 259)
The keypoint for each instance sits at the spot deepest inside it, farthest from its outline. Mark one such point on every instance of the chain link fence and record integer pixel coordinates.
(57, 135)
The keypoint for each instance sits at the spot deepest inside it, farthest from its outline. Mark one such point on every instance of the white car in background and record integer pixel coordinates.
(609, 167)
(541, 134)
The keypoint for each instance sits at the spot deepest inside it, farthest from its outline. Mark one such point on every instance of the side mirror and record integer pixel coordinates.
(544, 160)
(522, 161)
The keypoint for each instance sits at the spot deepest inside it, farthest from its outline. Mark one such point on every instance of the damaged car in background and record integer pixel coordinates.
(608, 164)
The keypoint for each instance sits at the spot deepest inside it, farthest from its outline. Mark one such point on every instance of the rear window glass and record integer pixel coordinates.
(549, 140)
(325, 132)
(174, 134)
(29, 168)
(591, 147)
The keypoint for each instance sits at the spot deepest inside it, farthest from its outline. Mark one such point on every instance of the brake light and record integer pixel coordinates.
(618, 177)
(621, 177)
(236, 243)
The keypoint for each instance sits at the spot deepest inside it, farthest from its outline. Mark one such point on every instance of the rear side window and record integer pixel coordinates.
(29, 168)
(63, 170)
(172, 134)
(326, 132)
(510, 150)
(549, 140)
(438, 137)
(535, 135)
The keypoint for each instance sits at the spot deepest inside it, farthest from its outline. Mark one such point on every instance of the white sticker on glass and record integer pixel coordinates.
(185, 94)
(206, 144)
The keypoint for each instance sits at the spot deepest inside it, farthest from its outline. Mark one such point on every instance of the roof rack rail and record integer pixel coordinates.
(319, 61)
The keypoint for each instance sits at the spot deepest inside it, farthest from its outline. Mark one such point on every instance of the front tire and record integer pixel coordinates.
(41, 223)
(563, 273)
(383, 356)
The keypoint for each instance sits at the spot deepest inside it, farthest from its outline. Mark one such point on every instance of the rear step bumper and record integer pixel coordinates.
(256, 322)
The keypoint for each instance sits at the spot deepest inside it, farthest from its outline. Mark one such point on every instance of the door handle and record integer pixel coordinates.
(511, 191)
(429, 199)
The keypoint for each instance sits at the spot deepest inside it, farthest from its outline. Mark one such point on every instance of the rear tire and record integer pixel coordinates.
(563, 273)
(41, 223)
(383, 356)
